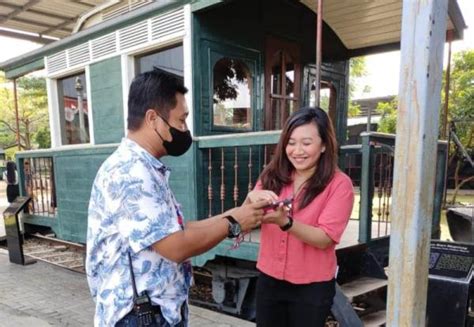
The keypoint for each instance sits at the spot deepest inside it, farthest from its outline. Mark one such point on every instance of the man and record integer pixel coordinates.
(134, 219)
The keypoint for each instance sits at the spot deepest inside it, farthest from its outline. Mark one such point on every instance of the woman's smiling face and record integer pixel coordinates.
(304, 148)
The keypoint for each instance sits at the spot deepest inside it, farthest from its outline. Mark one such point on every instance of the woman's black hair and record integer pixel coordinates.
(11, 175)
(278, 172)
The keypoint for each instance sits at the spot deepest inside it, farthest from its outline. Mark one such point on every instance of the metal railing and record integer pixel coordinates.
(230, 167)
(370, 166)
(37, 177)
(232, 163)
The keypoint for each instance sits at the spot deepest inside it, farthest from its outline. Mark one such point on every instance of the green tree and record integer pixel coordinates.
(461, 112)
(388, 119)
(32, 110)
(43, 138)
(357, 69)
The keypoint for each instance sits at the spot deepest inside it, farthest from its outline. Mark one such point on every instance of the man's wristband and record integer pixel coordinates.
(288, 225)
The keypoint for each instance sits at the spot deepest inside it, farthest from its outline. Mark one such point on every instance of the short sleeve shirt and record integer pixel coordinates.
(132, 207)
(285, 257)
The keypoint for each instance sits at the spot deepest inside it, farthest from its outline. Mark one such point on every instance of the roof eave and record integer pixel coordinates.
(455, 14)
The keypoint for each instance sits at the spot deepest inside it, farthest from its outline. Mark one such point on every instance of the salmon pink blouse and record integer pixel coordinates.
(285, 257)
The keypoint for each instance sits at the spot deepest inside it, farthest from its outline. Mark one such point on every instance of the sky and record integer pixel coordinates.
(389, 61)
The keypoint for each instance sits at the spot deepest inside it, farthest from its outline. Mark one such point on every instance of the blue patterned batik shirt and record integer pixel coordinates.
(132, 207)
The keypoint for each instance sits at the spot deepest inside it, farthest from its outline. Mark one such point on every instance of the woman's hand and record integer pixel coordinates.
(261, 195)
(279, 216)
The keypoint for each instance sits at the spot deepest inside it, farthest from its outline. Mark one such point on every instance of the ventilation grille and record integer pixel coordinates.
(57, 62)
(79, 55)
(167, 24)
(104, 45)
(133, 35)
(155, 29)
(124, 8)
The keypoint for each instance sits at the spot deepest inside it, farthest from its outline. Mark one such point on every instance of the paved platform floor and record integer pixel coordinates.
(45, 295)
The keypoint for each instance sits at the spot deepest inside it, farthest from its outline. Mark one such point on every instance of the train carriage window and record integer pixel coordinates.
(74, 109)
(232, 94)
(282, 81)
(327, 97)
(169, 59)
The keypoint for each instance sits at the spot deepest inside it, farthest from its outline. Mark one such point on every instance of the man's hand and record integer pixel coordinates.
(250, 215)
(261, 195)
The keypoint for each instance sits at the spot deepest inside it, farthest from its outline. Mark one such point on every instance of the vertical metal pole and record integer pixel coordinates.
(82, 129)
(422, 42)
(444, 130)
(446, 88)
(17, 119)
(446, 167)
(366, 190)
(319, 37)
(440, 187)
(369, 118)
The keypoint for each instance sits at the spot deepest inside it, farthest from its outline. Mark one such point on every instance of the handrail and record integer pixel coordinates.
(238, 139)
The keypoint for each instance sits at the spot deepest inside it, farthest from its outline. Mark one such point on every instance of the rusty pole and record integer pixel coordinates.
(444, 131)
(17, 119)
(319, 45)
(421, 67)
(446, 88)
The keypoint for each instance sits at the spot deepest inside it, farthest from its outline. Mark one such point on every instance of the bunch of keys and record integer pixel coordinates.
(275, 204)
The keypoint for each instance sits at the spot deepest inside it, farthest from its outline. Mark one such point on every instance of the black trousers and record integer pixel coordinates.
(283, 304)
(131, 319)
(12, 192)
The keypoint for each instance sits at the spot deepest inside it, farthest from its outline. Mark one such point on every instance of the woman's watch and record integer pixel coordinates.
(288, 225)
(234, 227)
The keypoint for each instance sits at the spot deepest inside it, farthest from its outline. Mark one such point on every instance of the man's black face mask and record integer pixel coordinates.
(179, 144)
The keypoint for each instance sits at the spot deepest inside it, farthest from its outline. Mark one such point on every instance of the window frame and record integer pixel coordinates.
(129, 71)
(283, 49)
(214, 56)
(56, 126)
(225, 128)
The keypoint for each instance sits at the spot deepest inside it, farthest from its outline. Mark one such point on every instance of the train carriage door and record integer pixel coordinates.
(282, 81)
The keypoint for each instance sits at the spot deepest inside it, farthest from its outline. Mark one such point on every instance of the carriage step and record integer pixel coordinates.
(362, 285)
(375, 319)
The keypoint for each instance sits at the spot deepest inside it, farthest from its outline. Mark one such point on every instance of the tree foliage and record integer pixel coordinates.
(388, 113)
(461, 99)
(226, 73)
(461, 95)
(460, 112)
(461, 115)
(32, 111)
(357, 69)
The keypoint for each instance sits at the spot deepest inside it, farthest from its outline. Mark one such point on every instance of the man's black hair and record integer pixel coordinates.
(155, 89)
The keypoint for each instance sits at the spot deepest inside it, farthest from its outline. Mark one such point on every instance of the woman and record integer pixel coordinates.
(11, 177)
(297, 258)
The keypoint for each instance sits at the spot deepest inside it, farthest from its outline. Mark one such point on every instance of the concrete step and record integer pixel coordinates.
(361, 286)
(375, 319)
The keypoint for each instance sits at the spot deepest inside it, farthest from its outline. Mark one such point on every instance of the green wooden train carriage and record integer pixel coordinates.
(248, 65)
